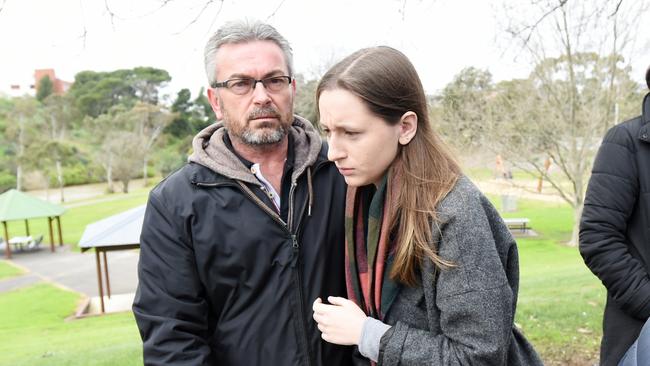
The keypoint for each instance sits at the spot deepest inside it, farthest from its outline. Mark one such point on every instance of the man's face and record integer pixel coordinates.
(259, 117)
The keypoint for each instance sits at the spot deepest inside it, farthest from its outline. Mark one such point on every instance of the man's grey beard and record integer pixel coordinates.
(259, 138)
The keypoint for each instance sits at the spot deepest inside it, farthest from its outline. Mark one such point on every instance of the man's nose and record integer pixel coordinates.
(260, 94)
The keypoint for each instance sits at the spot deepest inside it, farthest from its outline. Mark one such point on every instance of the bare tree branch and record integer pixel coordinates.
(164, 3)
(275, 11)
(214, 19)
(618, 6)
(84, 33)
(530, 29)
(196, 18)
(110, 13)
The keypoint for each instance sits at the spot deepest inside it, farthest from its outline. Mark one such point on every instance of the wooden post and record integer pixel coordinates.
(99, 280)
(58, 224)
(49, 222)
(7, 246)
(108, 283)
(27, 227)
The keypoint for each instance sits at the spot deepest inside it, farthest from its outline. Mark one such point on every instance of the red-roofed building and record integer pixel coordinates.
(59, 86)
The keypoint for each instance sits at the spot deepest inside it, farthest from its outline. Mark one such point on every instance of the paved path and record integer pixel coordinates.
(74, 270)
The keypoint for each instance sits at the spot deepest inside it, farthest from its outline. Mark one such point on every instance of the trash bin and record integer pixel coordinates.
(508, 203)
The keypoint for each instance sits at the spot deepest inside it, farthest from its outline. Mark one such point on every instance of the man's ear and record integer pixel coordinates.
(408, 127)
(213, 97)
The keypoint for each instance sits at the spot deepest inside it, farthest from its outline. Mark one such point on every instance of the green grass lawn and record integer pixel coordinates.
(559, 307)
(34, 331)
(75, 219)
(8, 270)
(560, 301)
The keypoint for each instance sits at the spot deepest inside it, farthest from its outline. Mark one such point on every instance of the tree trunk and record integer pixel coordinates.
(47, 188)
(19, 177)
(125, 186)
(109, 178)
(144, 171)
(575, 234)
(21, 152)
(59, 178)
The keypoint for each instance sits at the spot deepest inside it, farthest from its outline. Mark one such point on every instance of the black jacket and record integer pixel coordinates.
(615, 231)
(223, 279)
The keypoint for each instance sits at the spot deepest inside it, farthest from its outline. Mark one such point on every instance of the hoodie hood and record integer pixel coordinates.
(211, 152)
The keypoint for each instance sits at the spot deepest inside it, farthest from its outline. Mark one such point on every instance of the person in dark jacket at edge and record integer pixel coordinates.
(615, 237)
(237, 244)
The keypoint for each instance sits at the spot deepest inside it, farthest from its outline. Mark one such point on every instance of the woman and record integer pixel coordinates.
(432, 271)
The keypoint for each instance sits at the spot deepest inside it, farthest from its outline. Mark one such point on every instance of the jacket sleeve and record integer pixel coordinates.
(169, 307)
(473, 299)
(612, 195)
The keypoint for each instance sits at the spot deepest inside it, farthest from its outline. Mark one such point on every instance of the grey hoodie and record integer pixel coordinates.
(211, 152)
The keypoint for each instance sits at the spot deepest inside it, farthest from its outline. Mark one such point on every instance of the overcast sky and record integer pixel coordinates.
(441, 37)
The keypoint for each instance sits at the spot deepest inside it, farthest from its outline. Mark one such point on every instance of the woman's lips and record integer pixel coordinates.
(345, 171)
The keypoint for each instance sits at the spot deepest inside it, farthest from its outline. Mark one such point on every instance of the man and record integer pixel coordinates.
(615, 233)
(238, 243)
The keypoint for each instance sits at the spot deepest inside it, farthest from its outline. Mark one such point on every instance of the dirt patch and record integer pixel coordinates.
(519, 188)
(83, 192)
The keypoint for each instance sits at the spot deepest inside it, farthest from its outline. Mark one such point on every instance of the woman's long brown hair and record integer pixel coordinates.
(388, 84)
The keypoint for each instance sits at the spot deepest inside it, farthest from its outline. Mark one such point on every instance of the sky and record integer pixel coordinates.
(441, 37)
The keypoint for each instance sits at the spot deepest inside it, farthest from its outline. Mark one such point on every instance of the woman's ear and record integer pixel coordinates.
(408, 127)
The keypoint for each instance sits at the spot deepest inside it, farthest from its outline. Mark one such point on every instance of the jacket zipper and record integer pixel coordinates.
(294, 244)
(296, 251)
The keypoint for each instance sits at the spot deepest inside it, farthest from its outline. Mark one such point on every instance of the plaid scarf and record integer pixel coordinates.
(369, 246)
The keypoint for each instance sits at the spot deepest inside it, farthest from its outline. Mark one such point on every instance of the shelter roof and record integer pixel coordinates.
(117, 230)
(16, 205)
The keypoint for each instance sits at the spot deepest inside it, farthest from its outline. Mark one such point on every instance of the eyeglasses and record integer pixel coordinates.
(241, 86)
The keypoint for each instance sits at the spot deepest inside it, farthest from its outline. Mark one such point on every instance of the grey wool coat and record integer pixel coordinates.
(463, 315)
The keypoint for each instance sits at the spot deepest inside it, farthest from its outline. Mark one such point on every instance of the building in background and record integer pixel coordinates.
(59, 86)
(18, 88)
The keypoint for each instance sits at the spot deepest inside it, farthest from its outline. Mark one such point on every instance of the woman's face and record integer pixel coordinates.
(361, 144)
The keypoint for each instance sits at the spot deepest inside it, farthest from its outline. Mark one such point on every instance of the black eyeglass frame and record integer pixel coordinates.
(224, 84)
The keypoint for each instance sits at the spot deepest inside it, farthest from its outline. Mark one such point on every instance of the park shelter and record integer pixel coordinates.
(117, 232)
(16, 205)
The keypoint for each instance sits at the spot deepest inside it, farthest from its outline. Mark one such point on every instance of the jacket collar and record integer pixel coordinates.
(644, 131)
(210, 151)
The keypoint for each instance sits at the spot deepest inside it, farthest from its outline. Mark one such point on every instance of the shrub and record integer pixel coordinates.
(7, 181)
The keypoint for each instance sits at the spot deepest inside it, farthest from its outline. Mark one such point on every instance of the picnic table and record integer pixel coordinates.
(25, 242)
(19, 241)
(518, 223)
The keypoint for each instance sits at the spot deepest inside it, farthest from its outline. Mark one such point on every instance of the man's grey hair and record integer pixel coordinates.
(243, 31)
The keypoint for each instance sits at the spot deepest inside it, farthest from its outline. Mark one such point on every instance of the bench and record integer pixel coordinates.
(520, 224)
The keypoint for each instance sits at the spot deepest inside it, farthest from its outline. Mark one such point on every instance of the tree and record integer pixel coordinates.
(561, 111)
(45, 88)
(149, 121)
(59, 112)
(49, 156)
(181, 125)
(104, 130)
(7, 179)
(96, 92)
(581, 77)
(123, 153)
(465, 103)
(147, 81)
(23, 119)
(305, 102)
(202, 114)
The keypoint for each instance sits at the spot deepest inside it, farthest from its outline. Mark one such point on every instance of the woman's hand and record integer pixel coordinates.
(341, 322)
